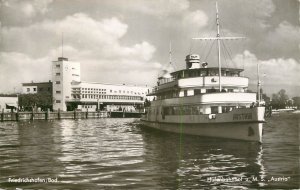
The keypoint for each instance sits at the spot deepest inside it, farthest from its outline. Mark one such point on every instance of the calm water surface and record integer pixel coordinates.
(121, 154)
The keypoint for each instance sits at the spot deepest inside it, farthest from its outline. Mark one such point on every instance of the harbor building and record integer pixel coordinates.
(64, 72)
(70, 93)
(110, 97)
(37, 88)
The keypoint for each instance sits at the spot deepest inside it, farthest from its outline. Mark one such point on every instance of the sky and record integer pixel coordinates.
(127, 41)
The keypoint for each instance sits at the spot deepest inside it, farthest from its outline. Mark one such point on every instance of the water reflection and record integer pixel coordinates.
(204, 162)
(27, 148)
(100, 152)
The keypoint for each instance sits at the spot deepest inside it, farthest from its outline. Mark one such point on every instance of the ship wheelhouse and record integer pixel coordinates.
(191, 82)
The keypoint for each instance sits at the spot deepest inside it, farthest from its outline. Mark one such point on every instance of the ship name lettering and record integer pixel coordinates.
(242, 116)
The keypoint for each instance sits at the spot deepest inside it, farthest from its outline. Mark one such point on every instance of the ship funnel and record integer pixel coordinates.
(192, 61)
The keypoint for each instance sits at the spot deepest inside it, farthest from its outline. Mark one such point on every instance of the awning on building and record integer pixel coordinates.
(11, 105)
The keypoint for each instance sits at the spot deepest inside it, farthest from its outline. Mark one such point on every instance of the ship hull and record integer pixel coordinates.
(246, 131)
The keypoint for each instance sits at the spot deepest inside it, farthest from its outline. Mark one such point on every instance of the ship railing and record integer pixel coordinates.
(154, 89)
(165, 80)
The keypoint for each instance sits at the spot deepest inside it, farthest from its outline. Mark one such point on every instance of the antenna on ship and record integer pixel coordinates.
(219, 38)
(258, 84)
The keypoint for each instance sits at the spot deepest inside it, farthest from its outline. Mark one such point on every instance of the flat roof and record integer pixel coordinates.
(130, 85)
(9, 95)
(35, 83)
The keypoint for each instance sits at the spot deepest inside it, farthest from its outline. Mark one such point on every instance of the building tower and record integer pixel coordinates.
(64, 72)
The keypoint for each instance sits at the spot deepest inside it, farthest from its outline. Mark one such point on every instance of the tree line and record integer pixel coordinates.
(281, 100)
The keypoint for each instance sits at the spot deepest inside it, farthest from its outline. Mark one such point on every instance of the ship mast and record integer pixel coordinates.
(219, 38)
(170, 53)
(258, 84)
(219, 46)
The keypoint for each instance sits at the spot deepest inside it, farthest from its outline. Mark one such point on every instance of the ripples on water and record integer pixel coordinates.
(119, 153)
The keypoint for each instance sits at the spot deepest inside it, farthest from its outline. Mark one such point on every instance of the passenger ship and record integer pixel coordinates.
(206, 101)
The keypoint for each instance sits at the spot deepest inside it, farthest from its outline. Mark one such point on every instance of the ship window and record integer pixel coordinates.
(197, 91)
(214, 109)
(213, 73)
(226, 109)
(185, 92)
(203, 73)
(211, 90)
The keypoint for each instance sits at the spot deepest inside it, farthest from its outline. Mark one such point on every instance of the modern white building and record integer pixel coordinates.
(64, 72)
(70, 93)
(110, 97)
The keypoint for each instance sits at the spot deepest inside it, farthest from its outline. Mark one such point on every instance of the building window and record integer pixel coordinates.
(58, 101)
(57, 74)
(57, 82)
(34, 89)
(28, 89)
(58, 92)
(57, 66)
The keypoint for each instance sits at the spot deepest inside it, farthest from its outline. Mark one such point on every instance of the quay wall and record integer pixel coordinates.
(18, 116)
(47, 115)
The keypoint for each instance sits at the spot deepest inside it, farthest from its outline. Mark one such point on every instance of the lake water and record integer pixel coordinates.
(120, 154)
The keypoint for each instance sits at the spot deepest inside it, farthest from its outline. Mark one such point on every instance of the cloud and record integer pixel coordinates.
(17, 68)
(196, 19)
(281, 72)
(283, 40)
(251, 15)
(160, 8)
(23, 11)
(96, 44)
